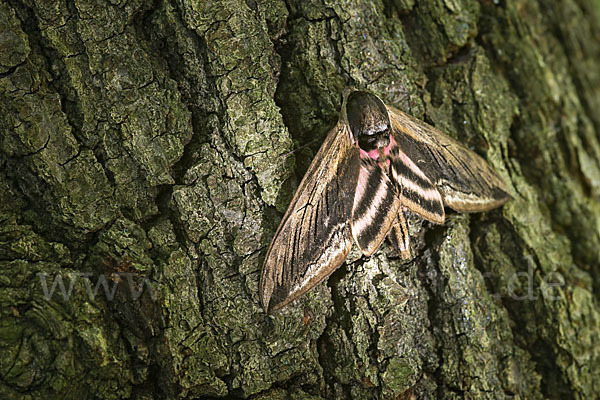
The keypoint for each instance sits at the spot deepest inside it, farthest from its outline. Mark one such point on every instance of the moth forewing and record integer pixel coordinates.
(314, 235)
(466, 181)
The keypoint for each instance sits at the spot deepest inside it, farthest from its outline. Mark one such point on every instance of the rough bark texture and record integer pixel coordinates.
(163, 139)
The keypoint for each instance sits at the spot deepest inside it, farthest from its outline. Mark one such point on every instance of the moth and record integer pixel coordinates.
(374, 165)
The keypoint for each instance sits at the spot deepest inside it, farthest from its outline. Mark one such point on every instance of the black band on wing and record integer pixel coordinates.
(466, 181)
(416, 191)
(373, 184)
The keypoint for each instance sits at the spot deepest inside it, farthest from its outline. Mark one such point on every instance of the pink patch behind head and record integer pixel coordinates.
(388, 148)
(373, 154)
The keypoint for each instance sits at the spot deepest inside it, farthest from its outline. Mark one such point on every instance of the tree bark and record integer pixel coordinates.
(150, 148)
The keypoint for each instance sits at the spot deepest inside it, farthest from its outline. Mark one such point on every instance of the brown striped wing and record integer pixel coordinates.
(466, 182)
(314, 236)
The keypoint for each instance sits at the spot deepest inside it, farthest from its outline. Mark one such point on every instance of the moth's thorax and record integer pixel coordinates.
(381, 155)
(369, 120)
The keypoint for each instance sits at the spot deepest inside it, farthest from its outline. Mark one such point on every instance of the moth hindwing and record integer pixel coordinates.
(375, 163)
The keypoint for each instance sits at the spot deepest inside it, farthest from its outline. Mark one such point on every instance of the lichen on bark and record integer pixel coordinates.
(150, 148)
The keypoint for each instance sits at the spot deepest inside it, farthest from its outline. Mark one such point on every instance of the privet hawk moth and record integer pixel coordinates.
(375, 164)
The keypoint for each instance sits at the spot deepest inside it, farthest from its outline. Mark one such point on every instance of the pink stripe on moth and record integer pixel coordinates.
(430, 193)
(427, 193)
(380, 194)
(363, 177)
(388, 148)
(374, 154)
(410, 164)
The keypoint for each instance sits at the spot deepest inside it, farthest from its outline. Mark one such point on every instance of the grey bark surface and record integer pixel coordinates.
(148, 150)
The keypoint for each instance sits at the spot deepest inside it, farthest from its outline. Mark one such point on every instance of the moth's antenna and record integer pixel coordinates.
(346, 92)
(300, 148)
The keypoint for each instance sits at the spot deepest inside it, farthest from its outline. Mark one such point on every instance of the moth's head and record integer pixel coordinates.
(368, 119)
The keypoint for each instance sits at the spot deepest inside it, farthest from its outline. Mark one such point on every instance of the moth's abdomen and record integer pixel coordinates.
(375, 207)
(399, 236)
